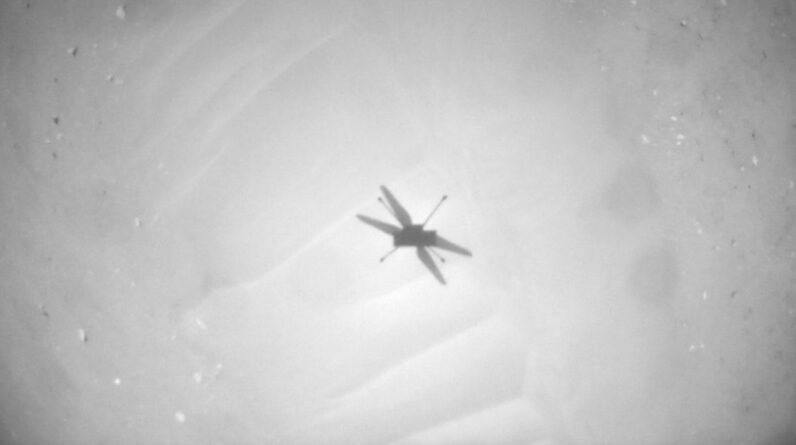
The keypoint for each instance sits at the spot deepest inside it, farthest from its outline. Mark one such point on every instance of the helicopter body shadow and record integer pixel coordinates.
(413, 235)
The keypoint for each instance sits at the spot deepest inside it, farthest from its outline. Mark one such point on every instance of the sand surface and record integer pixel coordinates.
(182, 262)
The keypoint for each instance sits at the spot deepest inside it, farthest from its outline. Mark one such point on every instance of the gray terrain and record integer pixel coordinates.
(181, 261)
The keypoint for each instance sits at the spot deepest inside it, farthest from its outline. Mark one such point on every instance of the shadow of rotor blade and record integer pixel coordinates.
(400, 213)
(381, 225)
(444, 244)
(422, 253)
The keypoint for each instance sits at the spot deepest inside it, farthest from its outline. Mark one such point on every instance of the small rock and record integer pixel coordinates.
(81, 334)
(113, 79)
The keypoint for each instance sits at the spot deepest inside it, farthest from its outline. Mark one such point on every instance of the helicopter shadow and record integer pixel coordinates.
(414, 235)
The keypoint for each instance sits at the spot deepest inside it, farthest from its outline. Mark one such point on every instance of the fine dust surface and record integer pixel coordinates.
(182, 261)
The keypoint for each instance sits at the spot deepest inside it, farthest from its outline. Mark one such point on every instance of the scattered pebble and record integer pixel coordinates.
(117, 381)
(120, 12)
(113, 79)
(179, 416)
(197, 377)
(137, 221)
(81, 334)
(201, 323)
(72, 51)
(754, 160)
(704, 295)
(645, 139)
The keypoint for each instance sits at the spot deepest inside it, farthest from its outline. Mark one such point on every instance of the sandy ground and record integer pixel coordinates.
(181, 261)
